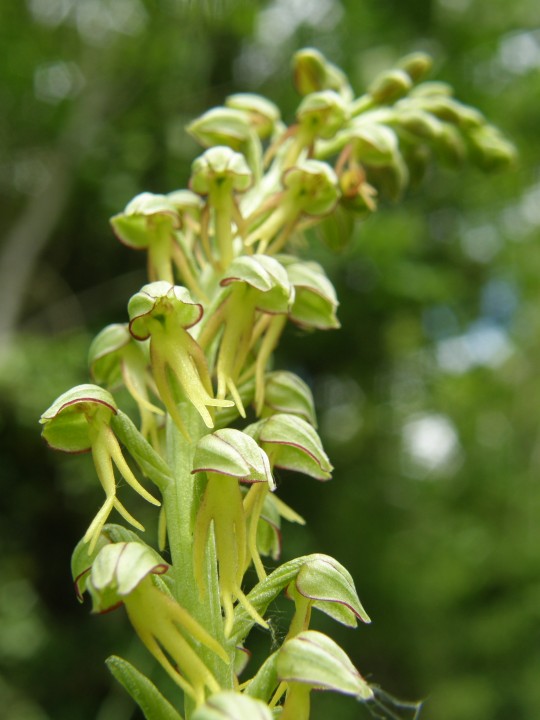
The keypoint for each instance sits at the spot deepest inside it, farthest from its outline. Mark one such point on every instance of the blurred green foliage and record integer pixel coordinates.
(427, 396)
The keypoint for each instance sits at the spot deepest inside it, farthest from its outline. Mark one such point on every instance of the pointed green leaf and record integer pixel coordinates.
(263, 684)
(142, 690)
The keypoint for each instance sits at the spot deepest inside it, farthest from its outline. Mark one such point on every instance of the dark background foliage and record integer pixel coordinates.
(427, 396)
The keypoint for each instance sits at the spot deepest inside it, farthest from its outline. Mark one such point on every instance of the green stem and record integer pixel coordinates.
(221, 200)
(181, 500)
(159, 254)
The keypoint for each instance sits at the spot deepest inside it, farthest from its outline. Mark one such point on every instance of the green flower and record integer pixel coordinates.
(291, 443)
(79, 421)
(310, 188)
(227, 457)
(164, 313)
(311, 660)
(114, 357)
(149, 222)
(255, 301)
(125, 573)
(219, 174)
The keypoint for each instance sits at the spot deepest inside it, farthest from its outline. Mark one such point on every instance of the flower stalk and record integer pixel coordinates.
(216, 419)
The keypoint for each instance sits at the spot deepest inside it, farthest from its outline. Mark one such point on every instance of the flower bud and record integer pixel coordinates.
(262, 114)
(417, 65)
(313, 72)
(390, 86)
(373, 142)
(490, 148)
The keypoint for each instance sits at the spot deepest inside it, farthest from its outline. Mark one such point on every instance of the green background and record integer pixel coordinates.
(427, 397)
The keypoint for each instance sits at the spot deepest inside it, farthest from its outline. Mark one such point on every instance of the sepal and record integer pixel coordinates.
(312, 658)
(264, 275)
(67, 424)
(313, 185)
(134, 226)
(315, 302)
(117, 569)
(230, 705)
(232, 452)
(217, 166)
(292, 444)
(262, 114)
(331, 588)
(287, 393)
